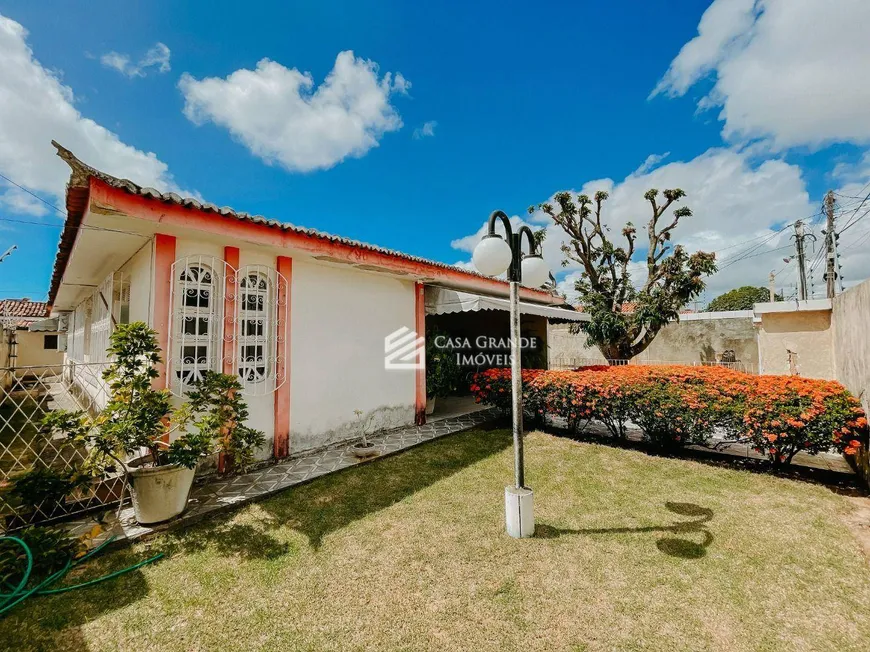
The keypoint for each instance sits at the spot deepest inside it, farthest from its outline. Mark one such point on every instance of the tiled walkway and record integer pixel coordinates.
(218, 494)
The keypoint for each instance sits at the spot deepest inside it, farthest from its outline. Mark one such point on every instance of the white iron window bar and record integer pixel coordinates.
(197, 328)
(262, 313)
(227, 319)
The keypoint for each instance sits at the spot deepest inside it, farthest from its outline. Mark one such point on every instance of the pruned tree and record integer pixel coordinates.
(674, 277)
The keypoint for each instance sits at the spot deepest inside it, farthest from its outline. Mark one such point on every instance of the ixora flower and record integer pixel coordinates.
(680, 405)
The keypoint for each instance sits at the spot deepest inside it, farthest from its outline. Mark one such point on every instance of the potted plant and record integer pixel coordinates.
(220, 413)
(442, 371)
(138, 417)
(364, 448)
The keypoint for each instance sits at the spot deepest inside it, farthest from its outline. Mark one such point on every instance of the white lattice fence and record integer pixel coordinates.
(27, 394)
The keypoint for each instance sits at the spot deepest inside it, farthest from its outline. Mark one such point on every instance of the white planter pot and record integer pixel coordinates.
(159, 493)
(430, 406)
(364, 451)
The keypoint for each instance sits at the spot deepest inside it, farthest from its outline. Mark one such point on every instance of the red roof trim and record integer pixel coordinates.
(88, 185)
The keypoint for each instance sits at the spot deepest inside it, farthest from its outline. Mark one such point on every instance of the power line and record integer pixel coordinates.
(81, 226)
(748, 252)
(760, 253)
(32, 194)
(856, 220)
(61, 212)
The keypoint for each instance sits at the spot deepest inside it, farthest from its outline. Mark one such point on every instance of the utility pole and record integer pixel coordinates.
(771, 283)
(799, 236)
(830, 247)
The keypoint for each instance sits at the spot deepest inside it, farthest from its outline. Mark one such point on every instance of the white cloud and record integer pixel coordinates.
(788, 72)
(16, 200)
(723, 27)
(279, 115)
(427, 129)
(651, 162)
(36, 107)
(734, 200)
(156, 57)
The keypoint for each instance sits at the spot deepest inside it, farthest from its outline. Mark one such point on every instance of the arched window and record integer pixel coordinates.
(197, 320)
(256, 326)
(223, 319)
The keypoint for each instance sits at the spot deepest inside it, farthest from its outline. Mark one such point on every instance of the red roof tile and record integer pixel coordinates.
(23, 308)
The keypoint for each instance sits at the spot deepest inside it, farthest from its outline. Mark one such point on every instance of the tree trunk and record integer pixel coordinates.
(616, 352)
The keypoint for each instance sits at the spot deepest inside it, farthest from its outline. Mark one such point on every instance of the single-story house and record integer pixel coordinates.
(303, 317)
(26, 341)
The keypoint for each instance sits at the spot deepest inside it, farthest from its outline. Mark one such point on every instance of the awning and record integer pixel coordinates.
(45, 325)
(441, 301)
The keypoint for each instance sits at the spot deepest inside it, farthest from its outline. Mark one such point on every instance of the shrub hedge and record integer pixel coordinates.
(679, 405)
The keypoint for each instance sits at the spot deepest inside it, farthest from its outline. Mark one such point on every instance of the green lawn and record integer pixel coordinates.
(408, 553)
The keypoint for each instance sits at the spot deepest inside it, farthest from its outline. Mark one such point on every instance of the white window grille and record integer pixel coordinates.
(121, 298)
(197, 328)
(262, 309)
(110, 307)
(101, 322)
(224, 318)
(75, 347)
(79, 346)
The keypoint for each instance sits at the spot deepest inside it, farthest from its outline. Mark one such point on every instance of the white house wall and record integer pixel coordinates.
(339, 319)
(140, 271)
(31, 350)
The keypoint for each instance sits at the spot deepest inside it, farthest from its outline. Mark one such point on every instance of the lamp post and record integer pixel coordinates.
(492, 256)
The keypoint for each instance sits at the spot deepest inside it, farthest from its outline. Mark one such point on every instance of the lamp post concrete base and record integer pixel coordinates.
(519, 511)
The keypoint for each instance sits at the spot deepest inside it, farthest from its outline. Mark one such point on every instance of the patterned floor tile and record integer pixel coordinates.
(217, 494)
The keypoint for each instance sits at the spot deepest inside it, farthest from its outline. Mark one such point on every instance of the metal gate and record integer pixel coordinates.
(27, 394)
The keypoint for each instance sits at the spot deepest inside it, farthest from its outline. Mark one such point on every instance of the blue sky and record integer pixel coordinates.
(522, 100)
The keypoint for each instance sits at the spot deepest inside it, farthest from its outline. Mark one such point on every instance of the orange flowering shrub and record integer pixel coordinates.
(788, 414)
(678, 405)
(493, 387)
(672, 405)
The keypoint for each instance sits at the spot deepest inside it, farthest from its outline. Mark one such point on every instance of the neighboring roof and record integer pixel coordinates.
(77, 199)
(25, 310)
(441, 301)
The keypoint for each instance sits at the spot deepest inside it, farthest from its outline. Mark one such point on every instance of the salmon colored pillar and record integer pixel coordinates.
(231, 258)
(420, 327)
(282, 372)
(164, 256)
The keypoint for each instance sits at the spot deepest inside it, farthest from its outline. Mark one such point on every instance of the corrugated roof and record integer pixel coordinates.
(77, 201)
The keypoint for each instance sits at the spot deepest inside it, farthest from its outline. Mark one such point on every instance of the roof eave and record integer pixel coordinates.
(78, 198)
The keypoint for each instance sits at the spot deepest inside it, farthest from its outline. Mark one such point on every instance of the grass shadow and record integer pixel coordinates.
(672, 546)
(225, 538)
(324, 505)
(55, 621)
(333, 501)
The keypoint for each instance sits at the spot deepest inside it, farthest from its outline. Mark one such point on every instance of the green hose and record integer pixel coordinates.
(20, 593)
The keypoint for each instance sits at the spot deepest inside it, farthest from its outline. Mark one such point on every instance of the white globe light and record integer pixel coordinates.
(535, 271)
(492, 256)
